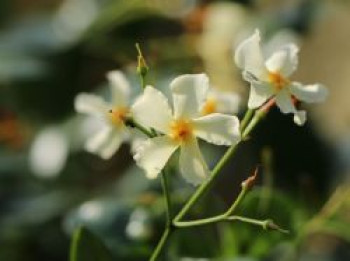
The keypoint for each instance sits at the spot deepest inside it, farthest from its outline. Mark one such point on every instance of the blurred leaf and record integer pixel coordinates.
(195, 242)
(333, 218)
(120, 12)
(239, 239)
(229, 241)
(87, 247)
(280, 207)
(337, 228)
(20, 67)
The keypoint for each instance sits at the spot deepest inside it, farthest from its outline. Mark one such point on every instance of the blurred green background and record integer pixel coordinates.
(50, 50)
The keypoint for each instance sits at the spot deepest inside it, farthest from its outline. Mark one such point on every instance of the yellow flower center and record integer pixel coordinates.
(118, 115)
(209, 106)
(277, 80)
(181, 130)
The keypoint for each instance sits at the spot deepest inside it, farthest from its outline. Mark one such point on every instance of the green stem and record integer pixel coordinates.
(199, 222)
(166, 192)
(219, 166)
(266, 224)
(217, 218)
(207, 184)
(143, 81)
(133, 124)
(238, 200)
(201, 190)
(258, 116)
(165, 187)
(160, 244)
(248, 115)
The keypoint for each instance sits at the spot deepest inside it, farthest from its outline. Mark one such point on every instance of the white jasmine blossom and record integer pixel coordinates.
(180, 127)
(220, 101)
(113, 131)
(270, 77)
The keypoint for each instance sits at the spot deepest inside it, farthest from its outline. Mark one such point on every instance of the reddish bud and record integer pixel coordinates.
(250, 181)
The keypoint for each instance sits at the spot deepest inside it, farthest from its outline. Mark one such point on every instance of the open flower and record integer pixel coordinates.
(181, 127)
(113, 131)
(270, 77)
(220, 101)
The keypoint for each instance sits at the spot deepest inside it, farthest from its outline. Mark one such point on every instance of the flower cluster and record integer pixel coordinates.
(197, 111)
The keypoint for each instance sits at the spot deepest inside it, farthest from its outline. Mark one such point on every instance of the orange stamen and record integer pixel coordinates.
(118, 116)
(278, 81)
(209, 107)
(181, 130)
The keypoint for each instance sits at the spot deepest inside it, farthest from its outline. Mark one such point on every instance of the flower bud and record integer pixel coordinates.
(250, 181)
(142, 68)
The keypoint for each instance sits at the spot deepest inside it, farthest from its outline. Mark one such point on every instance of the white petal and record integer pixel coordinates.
(218, 129)
(284, 101)
(309, 93)
(98, 139)
(48, 153)
(249, 57)
(189, 93)
(280, 39)
(284, 61)
(259, 93)
(120, 88)
(105, 142)
(91, 104)
(152, 110)
(112, 146)
(300, 117)
(153, 154)
(227, 102)
(192, 165)
(136, 139)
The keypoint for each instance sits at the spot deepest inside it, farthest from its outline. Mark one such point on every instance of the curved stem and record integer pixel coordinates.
(207, 184)
(237, 201)
(217, 218)
(201, 190)
(160, 244)
(165, 187)
(199, 222)
(266, 224)
(219, 166)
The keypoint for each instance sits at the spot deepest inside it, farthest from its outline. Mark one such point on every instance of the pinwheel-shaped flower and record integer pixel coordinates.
(181, 127)
(270, 77)
(113, 132)
(220, 101)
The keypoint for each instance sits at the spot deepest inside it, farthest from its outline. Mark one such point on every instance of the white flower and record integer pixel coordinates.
(113, 132)
(181, 127)
(270, 77)
(220, 101)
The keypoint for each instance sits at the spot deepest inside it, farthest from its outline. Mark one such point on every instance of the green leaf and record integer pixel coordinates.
(86, 246)
(230, 241)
